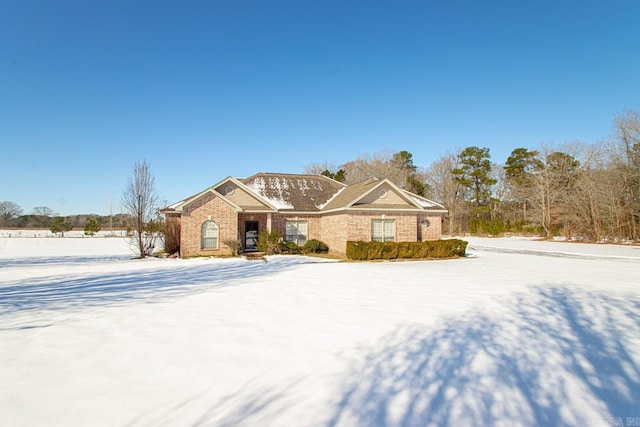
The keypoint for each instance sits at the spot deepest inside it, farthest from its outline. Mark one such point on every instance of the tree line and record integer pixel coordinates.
(142, 217)
(13, 216)
(575, 190)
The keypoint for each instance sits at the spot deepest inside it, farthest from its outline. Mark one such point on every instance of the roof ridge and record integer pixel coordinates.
(285, 173)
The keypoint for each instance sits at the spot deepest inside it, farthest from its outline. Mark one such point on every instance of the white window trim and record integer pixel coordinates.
(388, 230)
(215, 238)
(297, 237)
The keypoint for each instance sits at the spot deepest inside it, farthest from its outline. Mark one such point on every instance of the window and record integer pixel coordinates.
(296, 231)
(383, 230)
(209, 235)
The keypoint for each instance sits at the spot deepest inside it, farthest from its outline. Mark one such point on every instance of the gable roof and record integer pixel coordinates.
(247, 200)
(350, 194)
(178, 207)
(362, 195)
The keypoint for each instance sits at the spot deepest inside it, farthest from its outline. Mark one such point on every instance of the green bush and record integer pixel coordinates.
(292, 248)
(315, 246)
(493, 227)
(269, 242)
(406, 250)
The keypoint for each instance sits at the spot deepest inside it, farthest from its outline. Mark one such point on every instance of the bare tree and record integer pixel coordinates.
(588, 197)
(520, 168)
(444, 189)
(43, 215)
(9, 211)
(379, 165)
(140, 200)
(318, 168)
(554, 183)
(626, 163)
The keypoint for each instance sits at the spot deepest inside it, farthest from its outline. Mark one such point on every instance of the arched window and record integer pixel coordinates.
(209, 235)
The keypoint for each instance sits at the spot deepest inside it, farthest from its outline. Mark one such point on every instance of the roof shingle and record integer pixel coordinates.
(305, 193)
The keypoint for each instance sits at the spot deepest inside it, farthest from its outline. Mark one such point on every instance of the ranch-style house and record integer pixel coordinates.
(301, 207)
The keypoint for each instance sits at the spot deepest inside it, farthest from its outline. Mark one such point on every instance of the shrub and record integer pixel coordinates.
(292, 248)
(315, 246)
(493, 227)
(269, 242)
(403, 250)
(233, 245)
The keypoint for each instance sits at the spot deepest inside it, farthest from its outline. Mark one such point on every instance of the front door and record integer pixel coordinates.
(250, 235)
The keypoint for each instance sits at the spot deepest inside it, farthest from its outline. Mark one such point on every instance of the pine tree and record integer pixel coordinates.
(474, 173)
(91, 227)
(521, 165)
(520, 173)
(60, 225)
(338, 176)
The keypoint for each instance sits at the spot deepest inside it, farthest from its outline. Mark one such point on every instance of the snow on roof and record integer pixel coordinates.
(259, 186)
(290, 191)
(175, 205)
(422, 202)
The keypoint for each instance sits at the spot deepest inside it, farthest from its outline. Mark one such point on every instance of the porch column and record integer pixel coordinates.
(269, 222)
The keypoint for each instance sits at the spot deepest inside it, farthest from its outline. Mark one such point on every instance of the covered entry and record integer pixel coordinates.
(251, 235)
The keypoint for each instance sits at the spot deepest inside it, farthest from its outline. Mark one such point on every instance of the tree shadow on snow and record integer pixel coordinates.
(108, 288)
(563, 357)
(567, 358)
(58, 260)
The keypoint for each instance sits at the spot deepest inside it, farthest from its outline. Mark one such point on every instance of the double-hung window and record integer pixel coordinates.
(296, 231)
(209, 235)
(383, 230)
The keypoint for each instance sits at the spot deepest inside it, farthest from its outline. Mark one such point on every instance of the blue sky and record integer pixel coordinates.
(207, 89)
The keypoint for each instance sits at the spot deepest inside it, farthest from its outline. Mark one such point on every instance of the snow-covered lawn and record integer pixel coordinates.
(519, 333)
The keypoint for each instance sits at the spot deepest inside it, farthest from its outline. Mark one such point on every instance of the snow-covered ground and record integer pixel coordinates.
(519, 333)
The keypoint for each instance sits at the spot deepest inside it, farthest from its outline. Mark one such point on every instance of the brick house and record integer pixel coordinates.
(301, 207)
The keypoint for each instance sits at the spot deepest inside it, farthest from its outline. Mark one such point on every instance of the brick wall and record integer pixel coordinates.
(279, 223)
(406, 226)
(430, 227)
(208, 207)
(333, 231)
(339, 228)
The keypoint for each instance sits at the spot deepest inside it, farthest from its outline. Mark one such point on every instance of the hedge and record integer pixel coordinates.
(450, 248)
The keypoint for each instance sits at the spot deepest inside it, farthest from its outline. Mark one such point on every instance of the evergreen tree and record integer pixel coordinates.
(60, 225)
(520, 174)
(520, 166)
(91, 227)
(416, 186)
(403, 162)
(474, 173)
(338, 176)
